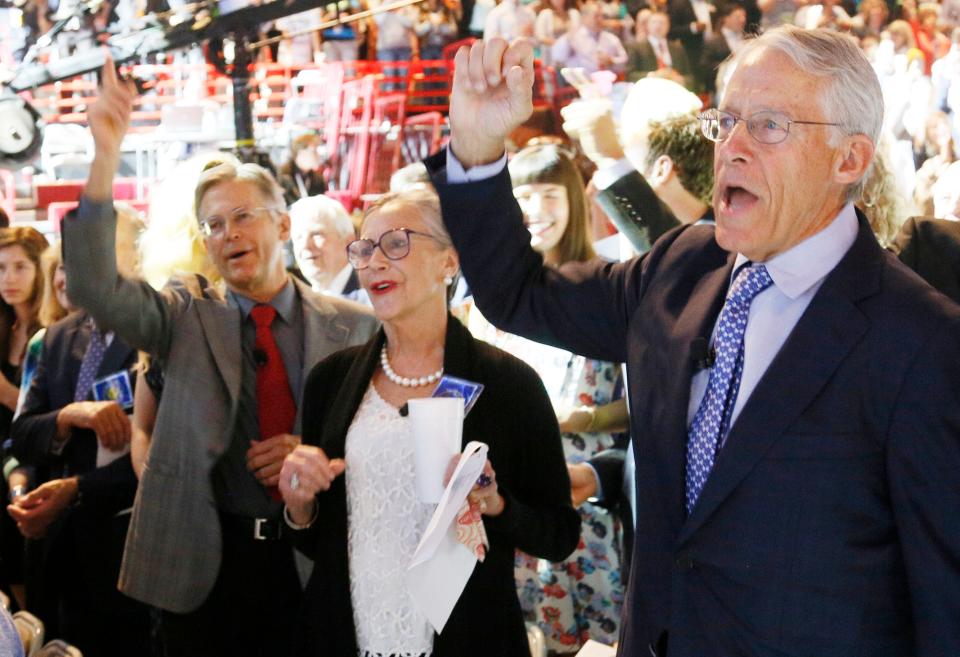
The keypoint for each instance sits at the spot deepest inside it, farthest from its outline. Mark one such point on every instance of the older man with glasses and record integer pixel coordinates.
(203, 543)
(794, 389)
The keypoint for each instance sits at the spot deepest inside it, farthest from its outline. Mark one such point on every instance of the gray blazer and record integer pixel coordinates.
(173, 546)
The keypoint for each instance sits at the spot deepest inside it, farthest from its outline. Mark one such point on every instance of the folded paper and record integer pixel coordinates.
(441, 565)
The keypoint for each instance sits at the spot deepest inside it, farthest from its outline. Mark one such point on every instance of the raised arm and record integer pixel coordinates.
(133, 309)
(582, 307)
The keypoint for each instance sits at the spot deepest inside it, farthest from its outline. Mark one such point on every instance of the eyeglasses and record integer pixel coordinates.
(766, 127)
(394, 244)
(216, 225)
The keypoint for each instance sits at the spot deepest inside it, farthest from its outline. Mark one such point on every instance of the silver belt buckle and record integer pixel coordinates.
(257, 526)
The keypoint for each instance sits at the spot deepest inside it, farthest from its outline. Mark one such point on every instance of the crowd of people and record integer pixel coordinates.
(721, 411)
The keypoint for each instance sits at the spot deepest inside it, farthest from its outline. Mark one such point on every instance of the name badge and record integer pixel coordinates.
(451, 386)
(115, 387)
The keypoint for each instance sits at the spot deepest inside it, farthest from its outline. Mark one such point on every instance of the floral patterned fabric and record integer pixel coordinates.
(580, 598)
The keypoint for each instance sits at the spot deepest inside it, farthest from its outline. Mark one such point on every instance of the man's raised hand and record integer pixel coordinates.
(109, 118)
(492, 95)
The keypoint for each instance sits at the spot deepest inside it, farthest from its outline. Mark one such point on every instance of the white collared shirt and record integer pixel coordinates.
(338, 283)
(661, 50)
(797, 275)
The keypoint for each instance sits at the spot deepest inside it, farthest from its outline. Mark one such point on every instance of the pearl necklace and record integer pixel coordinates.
(406, 382)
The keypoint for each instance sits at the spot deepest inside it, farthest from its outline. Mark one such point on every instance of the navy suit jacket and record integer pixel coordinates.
(829, 524)
(105, 490)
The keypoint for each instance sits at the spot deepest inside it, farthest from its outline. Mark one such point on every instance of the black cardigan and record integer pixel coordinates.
(515, 418)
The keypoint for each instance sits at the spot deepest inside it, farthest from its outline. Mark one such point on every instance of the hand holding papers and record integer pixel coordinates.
(442, 564)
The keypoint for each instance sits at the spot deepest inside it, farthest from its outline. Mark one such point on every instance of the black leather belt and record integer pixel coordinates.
(257, 529)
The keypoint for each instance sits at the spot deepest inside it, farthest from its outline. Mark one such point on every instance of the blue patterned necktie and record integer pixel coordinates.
(712, 420)
(92, 359)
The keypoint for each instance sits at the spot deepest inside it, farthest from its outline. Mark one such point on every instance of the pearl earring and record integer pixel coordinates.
(448, 280)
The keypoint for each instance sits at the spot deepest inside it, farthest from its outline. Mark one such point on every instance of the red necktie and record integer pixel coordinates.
(276, 408)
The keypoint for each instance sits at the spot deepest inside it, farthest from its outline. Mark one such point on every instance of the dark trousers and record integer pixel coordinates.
(252, 609)
(94, 616)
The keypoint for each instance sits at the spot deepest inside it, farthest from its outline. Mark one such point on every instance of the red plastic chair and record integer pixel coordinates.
(422, 135)
(353, 147)
(386, 140)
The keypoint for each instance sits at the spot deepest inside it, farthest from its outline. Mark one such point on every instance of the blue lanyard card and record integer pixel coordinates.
(451, 386)
(115, 387)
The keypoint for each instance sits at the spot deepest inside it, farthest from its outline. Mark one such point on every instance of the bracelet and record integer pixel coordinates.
(295, 525)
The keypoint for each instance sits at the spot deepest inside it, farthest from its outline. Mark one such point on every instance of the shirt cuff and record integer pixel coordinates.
(293, 525)
(457, 174)
(599, 494)
(605, 176)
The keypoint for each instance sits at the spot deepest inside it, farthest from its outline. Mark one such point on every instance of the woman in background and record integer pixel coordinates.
(21, 290)
(581, 597)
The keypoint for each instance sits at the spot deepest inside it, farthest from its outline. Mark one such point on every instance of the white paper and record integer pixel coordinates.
(437, 427)
(107, 456)
(593, 649)
(441, 566)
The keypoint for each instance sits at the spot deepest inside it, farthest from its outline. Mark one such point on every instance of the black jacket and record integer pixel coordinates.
(514, 417)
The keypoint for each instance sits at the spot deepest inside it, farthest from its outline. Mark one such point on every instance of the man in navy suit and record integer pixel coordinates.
(794, 389)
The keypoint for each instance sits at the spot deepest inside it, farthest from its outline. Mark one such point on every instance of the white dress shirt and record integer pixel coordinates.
(509, 20)
(797, 274)
(584, 47)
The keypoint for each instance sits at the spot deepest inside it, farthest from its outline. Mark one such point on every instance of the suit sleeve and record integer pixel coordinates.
(923, 459)
(608, 465)
(139, 314)
(635, 210)
(35, 428)
(538, 517)
(580, 307)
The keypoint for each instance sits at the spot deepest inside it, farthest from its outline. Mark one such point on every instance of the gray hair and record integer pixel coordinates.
(326, 210)
(425, 202)
(223, 172)
(853, 96)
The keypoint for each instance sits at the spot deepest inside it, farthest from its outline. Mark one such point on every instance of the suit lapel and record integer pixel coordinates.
(826, 333)
(323, 333)
(221, 326)
(696, 320)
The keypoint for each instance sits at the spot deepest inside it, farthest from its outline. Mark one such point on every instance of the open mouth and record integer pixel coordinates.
(382, 287)
(737, 199)
(237, 255)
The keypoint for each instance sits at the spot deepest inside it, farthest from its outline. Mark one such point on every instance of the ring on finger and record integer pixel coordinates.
(294, 481)
(484, 480)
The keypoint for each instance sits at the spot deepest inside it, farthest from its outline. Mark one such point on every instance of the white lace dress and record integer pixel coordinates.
(386, 522)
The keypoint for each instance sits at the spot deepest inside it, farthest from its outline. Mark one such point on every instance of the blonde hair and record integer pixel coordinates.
(172, 242)
(224, 172)
(881, 199)
(50, 309)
